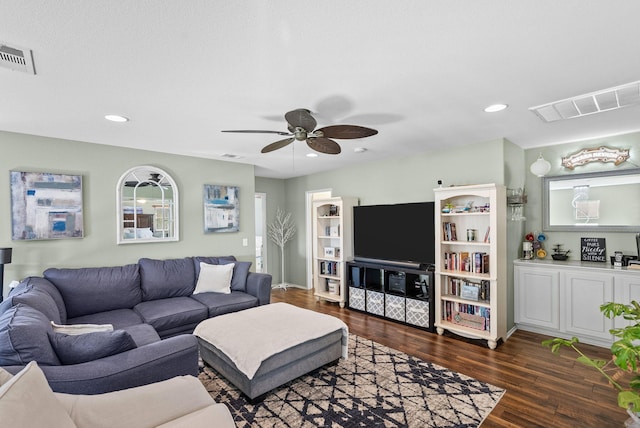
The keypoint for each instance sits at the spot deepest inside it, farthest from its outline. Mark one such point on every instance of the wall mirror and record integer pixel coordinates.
(147, 204)
(602, 201)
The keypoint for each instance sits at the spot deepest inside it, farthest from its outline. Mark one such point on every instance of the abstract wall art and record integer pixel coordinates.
(45, 206)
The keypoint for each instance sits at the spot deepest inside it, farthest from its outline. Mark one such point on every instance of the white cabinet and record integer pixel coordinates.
(563, 298)
(332, 247)
(538, 303)
(471, 271)
(584, 292)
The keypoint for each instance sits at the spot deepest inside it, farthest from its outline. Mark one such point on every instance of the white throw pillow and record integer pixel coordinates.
(214, 278)
(27, 400)
(75, 329)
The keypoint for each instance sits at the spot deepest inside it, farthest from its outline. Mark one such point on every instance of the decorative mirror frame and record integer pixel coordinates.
(146, 170)
(546, 183)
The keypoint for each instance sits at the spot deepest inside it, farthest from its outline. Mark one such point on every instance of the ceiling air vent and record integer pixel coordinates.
(595, 102)
(16, 58)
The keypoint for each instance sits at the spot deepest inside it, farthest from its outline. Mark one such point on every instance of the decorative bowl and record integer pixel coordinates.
(559, 256)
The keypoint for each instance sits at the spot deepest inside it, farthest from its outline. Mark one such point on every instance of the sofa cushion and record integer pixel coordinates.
(219, 304)
(119, 318)
(211, 261)
(214, 278)
(166, 314)
(143, 334)
(240, 269)
(90, 290)
(240, 273)
(42, 285)
(38, 299)
(162, 279)
(24, 337)
(26, 400)
(80, 348)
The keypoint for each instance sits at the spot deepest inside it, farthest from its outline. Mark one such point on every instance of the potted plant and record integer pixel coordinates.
(622, 369)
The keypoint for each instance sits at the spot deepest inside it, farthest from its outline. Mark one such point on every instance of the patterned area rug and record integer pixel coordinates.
(375, 386)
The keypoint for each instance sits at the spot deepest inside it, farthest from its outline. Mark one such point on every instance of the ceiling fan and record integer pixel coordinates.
(301, 127)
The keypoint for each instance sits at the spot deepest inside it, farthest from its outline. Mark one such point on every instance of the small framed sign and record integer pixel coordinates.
(470, 292)
(593, 250)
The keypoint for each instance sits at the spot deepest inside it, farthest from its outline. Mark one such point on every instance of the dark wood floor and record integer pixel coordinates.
(543, 390)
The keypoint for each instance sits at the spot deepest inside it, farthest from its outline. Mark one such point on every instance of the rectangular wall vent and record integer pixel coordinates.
(595, 102)
(16, 58)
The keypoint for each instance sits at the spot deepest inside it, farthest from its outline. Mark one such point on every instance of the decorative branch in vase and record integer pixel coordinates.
(281, 231)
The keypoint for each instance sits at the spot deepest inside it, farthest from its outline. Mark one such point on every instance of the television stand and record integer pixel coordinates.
(395, 292)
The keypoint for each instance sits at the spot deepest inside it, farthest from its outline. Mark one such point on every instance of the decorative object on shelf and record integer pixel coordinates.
(559, 253)
(5, 259)
(45, 206)
(597, 154)
(622, 369)
(533, 246)
(221, 208)
(540, 167)
(593, 250)
(516, 199)
(281, 231)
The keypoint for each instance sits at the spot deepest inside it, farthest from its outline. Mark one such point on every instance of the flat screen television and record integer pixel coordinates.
(401, 234)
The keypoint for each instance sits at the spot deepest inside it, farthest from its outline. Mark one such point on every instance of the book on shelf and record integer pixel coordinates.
(456, 287)
(476, 262)
(468, 315)
(487, 236)
(449, 231)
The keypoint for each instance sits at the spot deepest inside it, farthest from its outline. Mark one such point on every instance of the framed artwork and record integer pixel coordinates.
(45, 206)
(221, 209)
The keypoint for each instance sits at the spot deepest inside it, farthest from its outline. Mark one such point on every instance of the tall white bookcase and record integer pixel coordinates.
(332, 247)
(471, 262)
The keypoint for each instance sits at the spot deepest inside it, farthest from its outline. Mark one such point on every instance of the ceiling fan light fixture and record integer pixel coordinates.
(494, 108)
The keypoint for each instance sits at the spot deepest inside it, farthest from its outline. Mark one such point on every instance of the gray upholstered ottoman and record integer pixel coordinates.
(261, 348)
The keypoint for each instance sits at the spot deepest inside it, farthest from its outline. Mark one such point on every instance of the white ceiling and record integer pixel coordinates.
(420, 72)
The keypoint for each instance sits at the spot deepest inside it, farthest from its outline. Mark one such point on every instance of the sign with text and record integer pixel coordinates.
(593, 250)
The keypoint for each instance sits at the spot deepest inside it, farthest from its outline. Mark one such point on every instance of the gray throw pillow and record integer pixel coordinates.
(240, 273)
(76, 349)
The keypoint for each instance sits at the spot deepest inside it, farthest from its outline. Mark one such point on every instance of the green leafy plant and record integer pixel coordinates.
(625, 354)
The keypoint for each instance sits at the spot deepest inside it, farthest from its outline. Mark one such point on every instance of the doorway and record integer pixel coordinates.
(312, 195)
(261, 232)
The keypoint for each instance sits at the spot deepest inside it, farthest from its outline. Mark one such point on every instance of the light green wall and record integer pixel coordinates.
(276, 198)
(615, 241)
(395, 180)
(101, 166)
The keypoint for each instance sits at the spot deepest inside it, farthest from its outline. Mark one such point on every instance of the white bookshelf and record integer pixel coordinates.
(471, 275)
(332, 247)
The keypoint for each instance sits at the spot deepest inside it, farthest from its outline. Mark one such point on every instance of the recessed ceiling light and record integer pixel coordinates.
(359, 150)
(312, 155)
(116, 118)
(495, 108)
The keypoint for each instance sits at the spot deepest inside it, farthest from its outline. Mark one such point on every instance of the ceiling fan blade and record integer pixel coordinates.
(277, 145)
(324, 145)
(346, 132)
(255, 131)
(301, 118)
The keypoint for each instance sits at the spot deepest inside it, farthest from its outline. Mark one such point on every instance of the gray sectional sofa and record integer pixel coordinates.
(151, 306)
